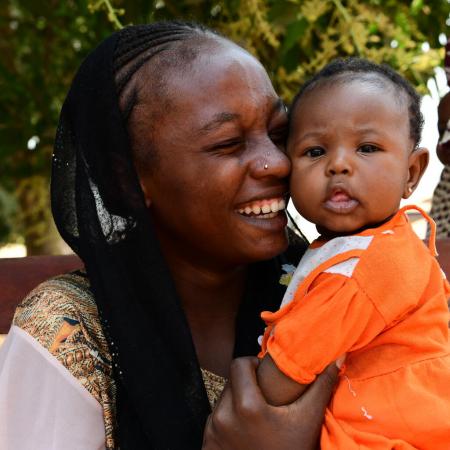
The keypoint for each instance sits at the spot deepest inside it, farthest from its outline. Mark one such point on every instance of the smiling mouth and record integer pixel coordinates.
(341, 202)
(263, 209)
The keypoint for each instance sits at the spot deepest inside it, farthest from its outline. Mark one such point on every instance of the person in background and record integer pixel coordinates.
(440, 206)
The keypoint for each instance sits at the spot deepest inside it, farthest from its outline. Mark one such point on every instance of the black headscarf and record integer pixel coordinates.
(99, 209)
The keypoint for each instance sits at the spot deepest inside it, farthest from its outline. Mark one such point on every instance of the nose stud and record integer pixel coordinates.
(266, 166)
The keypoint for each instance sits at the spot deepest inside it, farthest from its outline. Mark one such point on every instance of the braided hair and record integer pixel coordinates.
(136, 45)
(350, 69)
(168, 45)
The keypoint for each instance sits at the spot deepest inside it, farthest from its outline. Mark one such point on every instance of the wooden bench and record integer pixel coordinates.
(18, 276)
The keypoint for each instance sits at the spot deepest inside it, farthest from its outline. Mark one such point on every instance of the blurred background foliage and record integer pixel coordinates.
(43, 42)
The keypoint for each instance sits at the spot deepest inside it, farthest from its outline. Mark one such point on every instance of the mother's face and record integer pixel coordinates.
(220, 155)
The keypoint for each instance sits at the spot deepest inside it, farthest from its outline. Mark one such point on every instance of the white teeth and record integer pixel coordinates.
(268, 209)
(269, 216)
(274, 206)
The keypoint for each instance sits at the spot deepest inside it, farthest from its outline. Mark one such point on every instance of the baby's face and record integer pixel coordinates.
(350, 145)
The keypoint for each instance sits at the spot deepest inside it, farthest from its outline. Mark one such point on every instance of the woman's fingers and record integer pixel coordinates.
(318, 395)
(209, 438)
(243, 420)
(310, 407)
(239, 416)
(222, 414)
(246, 394)
(240, 400)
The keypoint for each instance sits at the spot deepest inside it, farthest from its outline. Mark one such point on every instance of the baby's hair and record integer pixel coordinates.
(350, 69)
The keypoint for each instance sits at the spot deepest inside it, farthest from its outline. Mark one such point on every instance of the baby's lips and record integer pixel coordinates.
(339, 196)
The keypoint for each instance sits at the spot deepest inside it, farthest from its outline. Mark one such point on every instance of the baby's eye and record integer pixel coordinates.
(314, 152)
(368, 148)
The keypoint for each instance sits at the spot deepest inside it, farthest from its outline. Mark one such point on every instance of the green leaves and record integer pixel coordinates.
(43, 42)
(294, 32)
(416, 7)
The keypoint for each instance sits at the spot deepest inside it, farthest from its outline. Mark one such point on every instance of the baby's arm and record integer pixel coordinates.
(334, 317)
(278, 389)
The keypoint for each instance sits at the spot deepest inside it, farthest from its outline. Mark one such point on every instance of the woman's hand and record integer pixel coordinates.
(243, 420)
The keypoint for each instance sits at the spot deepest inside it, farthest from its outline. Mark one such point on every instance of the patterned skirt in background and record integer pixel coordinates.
(440, 207)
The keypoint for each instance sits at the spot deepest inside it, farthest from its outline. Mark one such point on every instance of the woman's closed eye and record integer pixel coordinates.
(368, 148)
(227, 146)
(279, 137)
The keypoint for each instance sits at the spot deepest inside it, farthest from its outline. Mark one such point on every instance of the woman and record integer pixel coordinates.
(169, 181)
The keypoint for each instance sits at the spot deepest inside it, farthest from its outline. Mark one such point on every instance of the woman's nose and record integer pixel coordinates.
(271, 161)
(339, 164)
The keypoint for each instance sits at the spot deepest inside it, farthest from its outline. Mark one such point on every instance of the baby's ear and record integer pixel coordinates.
(418, 162)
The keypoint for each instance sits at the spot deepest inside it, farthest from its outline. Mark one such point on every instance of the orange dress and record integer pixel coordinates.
(381, 297)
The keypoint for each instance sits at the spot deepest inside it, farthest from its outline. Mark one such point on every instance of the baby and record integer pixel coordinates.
(367, 287)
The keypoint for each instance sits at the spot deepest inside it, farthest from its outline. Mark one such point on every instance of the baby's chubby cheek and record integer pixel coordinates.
(293, 183)
(297, 179)
(298, 193)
